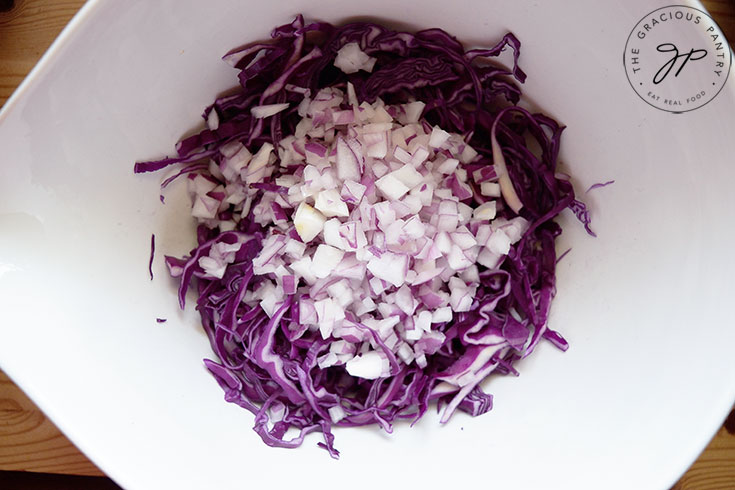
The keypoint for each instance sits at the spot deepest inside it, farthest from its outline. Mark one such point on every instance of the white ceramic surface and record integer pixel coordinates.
(650, 372)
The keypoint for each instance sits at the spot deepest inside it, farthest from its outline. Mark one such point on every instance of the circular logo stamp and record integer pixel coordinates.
(677, 59)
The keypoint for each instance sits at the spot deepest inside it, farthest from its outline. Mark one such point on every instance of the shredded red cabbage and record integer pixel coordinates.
(153, 253)
(268, 365)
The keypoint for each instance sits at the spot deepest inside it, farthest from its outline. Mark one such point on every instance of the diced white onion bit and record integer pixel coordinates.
(350, 59)
(369, 222)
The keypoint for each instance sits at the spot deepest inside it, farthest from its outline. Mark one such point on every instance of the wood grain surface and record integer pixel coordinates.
(30, 442)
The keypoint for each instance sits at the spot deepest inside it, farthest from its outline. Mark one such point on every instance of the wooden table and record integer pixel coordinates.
(30, 442)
